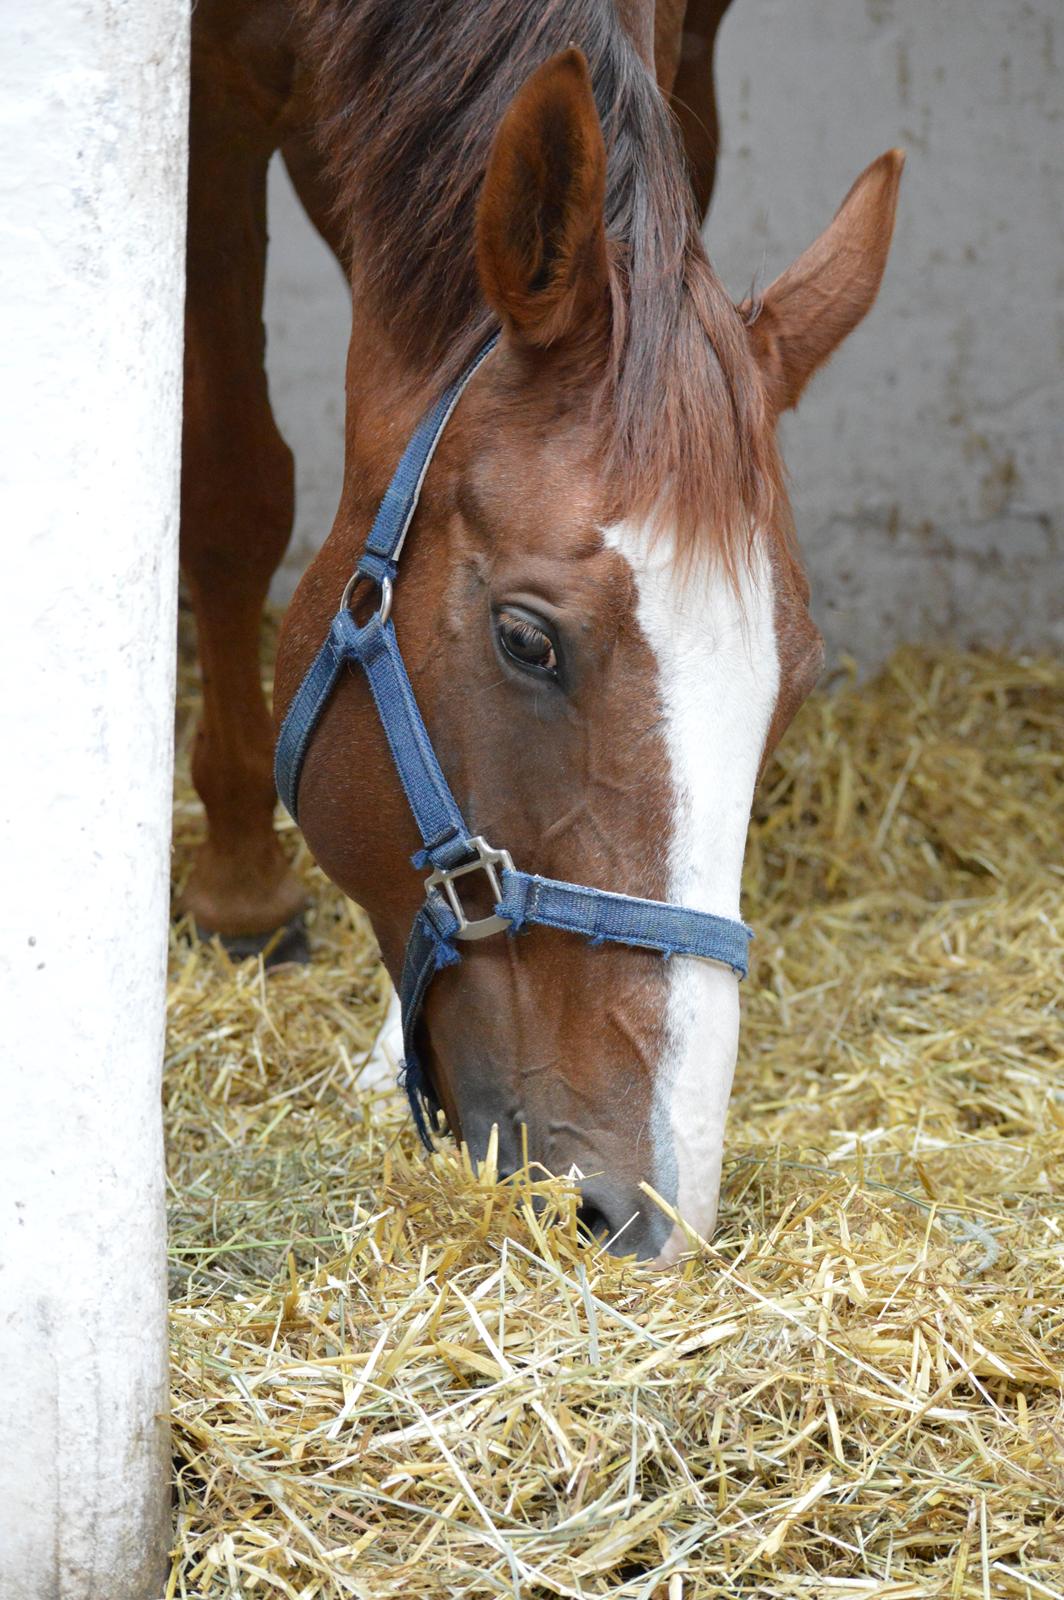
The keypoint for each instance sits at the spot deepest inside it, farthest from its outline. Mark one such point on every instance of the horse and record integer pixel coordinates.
(254, 65)
(603, 612)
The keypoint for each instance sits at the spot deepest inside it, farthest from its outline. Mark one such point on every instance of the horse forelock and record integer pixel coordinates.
(410, 103)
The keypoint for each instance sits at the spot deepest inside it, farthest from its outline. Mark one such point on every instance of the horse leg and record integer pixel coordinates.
(316, 192)
(237, 507)
(686, 74)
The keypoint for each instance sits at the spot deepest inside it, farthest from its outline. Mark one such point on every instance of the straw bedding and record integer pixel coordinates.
(391, 1377)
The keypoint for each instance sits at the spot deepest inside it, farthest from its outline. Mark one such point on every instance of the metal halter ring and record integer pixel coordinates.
(384, 610)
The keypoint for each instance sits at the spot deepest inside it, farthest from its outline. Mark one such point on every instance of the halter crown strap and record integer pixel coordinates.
(378, 563)
(448, 846)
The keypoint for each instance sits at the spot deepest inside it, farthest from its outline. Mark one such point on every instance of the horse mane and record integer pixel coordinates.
(410, 98)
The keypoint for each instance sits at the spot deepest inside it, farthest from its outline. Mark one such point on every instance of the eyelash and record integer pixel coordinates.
(517, 625)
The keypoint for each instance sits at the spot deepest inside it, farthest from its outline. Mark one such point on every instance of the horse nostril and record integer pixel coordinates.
(593, 1221)
(614, 1215)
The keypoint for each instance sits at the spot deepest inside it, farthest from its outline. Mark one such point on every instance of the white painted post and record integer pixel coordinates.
(93, 115)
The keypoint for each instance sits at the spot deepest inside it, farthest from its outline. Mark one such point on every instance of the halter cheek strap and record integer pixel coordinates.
(449, 847)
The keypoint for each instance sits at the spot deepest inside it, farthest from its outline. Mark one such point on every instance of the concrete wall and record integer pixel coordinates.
(92, 228)
(928, 460)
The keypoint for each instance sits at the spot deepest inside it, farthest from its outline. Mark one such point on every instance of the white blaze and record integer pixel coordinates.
(718, 677)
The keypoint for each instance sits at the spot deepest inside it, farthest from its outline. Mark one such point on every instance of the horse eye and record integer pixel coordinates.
(525, 642)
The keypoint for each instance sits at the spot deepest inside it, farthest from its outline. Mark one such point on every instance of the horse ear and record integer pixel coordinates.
(541, 237)
(804, 316)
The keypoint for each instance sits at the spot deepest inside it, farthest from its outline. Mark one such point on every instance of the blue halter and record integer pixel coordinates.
(450, 848)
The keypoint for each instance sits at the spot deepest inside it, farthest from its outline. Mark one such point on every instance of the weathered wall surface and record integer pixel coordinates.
(927, 462)
(92, 243)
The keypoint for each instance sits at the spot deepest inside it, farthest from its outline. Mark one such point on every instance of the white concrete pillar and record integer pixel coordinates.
(93, 116)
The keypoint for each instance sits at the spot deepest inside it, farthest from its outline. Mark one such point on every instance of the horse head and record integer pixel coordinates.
(606, 626)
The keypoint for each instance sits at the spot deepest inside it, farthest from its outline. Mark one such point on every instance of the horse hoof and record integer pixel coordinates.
(284, 946)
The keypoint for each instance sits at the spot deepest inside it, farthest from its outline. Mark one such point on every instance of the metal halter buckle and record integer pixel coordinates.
(489, 861)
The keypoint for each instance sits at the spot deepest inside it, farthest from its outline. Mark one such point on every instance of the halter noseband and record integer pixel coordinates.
(450, 848)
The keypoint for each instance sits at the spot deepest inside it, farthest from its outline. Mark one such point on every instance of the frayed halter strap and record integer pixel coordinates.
(450, 849)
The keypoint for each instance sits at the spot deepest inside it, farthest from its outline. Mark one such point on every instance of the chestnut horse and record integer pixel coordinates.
(602, 612)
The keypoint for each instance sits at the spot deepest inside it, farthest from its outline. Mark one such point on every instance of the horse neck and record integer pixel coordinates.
(386, 381)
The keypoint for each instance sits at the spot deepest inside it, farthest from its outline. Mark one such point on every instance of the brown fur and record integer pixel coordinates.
(683, 425)
(685, 35)
(542, 257)
(575, 780)
(251, 70)
(236, 479)
(625, 383)
(252, 66)
(794, 328)
(802, 318)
